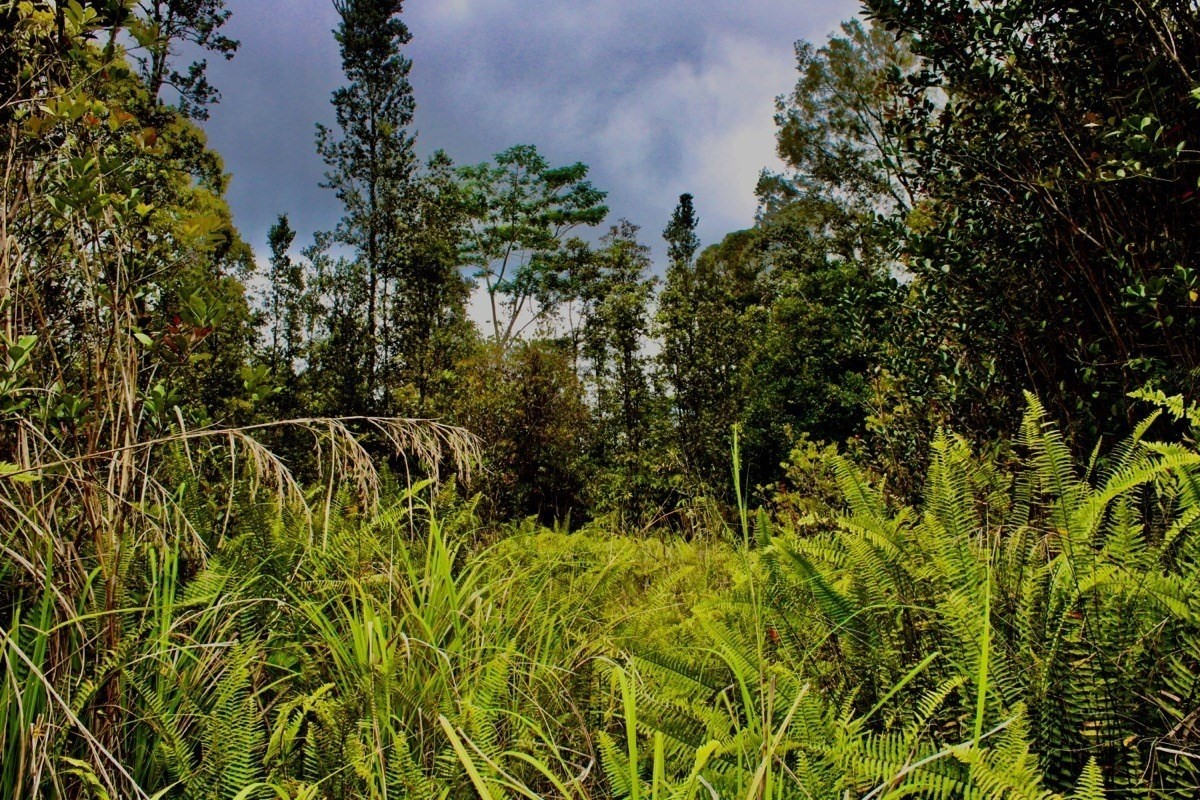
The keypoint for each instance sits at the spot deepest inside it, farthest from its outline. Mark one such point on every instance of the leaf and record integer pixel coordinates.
(1091, 782)
(87, 774)
(465, 757)
(18, 474)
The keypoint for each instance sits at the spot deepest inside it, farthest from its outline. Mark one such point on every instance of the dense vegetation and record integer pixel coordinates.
(895, 494)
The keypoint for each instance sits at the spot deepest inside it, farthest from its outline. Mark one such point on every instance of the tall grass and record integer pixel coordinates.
(1016, 636)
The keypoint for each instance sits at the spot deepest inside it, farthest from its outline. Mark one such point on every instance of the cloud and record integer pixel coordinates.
(704, 127)
(658, 96)
(454, 10)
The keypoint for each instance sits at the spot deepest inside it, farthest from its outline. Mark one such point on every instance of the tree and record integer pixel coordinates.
(833, 134)
(171, 245)
(285, 279)
(527, 405)
(121, 278)
(832, 227)
(617, 295)
(1054, 242)
(337, 380)
(428, 326)
(700, 325)
(680, 233)
(165, 25)
(816, 340)
(521, 211)
(371, 166)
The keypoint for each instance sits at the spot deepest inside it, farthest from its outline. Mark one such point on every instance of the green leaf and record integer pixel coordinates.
(17, 473)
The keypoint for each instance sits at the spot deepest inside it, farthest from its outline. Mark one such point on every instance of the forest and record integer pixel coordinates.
(895, 494)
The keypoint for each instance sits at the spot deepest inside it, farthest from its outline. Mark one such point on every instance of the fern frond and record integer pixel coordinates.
(1091, 783)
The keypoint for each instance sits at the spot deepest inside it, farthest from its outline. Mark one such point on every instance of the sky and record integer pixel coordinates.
(659, 97)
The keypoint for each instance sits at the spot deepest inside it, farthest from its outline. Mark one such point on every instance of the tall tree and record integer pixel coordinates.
(617, 295)
(833, 134)
(815, 338)
(680, 233)
(828, 237)
(372, 163)
(522, 210)
(428, 327)
(338, 382)
(527, 405)
(703, 343)
(285, 295)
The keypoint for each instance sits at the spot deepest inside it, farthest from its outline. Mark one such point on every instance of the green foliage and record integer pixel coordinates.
(521, 210)
(680, 233)
(1079, 579)
(124, 216)
(428, 329)
(401, 275)
(197, 602)
(284, 304)
(703, 315)
(371, 166)
(776, 328)
(1051, 243)
(809, 485)
(615, 293)
(833, 134)
(826, 300)
(130, 657)
(527, 405)
(160, 29)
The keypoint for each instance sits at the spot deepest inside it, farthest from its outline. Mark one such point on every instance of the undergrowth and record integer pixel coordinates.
(1031, 634)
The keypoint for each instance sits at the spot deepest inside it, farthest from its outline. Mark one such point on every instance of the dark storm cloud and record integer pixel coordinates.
(658, 96)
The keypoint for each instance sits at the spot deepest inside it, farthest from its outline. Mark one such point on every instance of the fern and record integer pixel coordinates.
(1091, 783)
